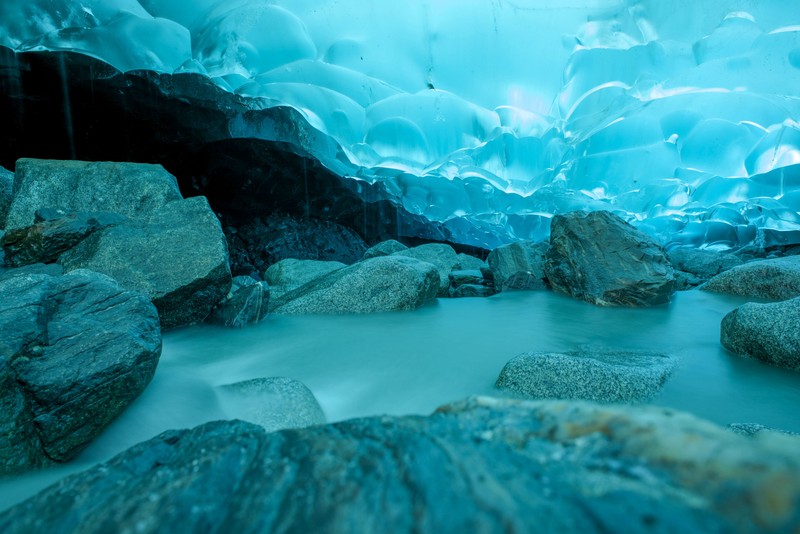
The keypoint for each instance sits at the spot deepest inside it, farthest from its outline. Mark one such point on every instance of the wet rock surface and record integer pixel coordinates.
(512, 263)
(599, 258)
(75, 351)
(768, 332)
(440, 255)
(133, 190)
(601, 376)
(774, 279)
(481, 465)
(46, 240)
(177, 256)
(246, 303)
(273, 403)
(389, 283)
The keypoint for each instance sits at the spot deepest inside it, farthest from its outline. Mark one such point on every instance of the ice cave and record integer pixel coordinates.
(419, 266)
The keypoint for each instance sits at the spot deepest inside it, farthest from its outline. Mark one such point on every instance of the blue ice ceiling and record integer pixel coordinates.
(489, 116)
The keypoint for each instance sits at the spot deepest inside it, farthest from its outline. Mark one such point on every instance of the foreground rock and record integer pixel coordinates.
(177, 256)
(441, 256)
(272, 403)
(775, 279)
(247, 303)
(134, 190)
(596, 376)
(482, 465)
(603, 260)
(75, 350)
(767, 332)
(518, 265)
(46, 240)
(388, 283)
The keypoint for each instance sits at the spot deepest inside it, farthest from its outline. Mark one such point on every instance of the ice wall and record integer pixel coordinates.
(492, 115)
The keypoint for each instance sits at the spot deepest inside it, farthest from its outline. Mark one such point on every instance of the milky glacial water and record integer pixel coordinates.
(412, 362)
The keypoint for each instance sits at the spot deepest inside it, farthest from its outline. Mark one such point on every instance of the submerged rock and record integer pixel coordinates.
(441, 256)
(587, 375)
(134, 190)
(775, 279)
(603, 260)
(482, 465)
(272, 403)
(46, 240)
(388, 283)
(512, 263)
(177, 256)
(384, 248)
(471, 290)
(754, 429)
(247, 303)
(75, 351)
(768, 332)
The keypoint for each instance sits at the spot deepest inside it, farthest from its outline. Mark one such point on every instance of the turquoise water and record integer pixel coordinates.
(412, 362)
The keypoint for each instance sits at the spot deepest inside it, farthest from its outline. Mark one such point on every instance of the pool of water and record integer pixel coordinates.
(412, 362)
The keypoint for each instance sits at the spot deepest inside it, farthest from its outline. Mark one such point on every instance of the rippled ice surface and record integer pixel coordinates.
(403, 363)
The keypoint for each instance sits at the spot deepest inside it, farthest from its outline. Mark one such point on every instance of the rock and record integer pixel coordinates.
(753, 429)
(587, 375)
(246, 304)
(44, 241)
(388, 283)
(273, 403)
(289, 274)
(134, 190)
(471, 290)
(767, 332)
(384, 248)
(463, 277)
(702, 263)
(695, 266)
(441, 256)
(481, 465)
(470, 263)
(50, 269)
(177, 256)
(75, 351)
(522, 282)
(603, 260)
(6, 194)
(776, 279)
(278, 237)
(520, 257)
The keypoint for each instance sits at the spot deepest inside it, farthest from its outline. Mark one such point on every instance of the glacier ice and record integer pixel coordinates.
(490, 117)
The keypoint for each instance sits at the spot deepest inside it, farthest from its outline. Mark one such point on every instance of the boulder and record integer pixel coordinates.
(775, 279)
(470, 263)
(6, 194)
(384, 248)
(524, 257)
(134, 190)
(440, 255)
(289, 274)
(603, 260)
(768, 332)
(177, 256)
(75, 351)
(462, 277)
(481, 465)
(587, 375)
(46, 240)
(702, 263)
(470, 283)
(273, 403)
(387, 283)
(247, 303)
